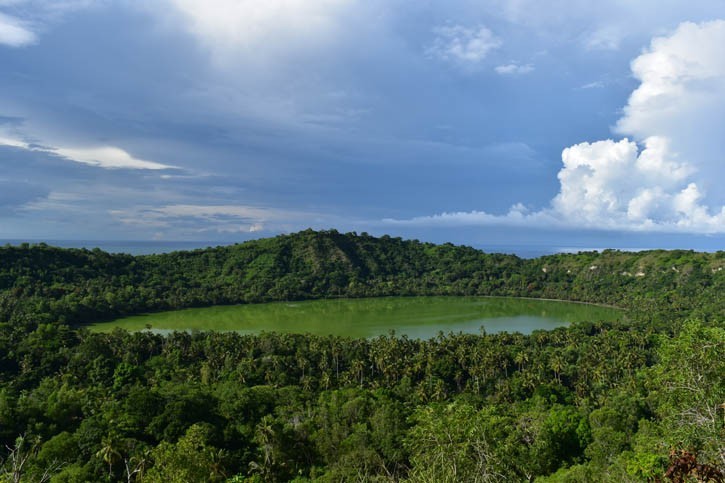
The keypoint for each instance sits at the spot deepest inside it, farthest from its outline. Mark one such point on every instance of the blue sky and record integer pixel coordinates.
(568, 123)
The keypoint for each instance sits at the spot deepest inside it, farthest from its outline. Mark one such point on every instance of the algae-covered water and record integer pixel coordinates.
(416, 317)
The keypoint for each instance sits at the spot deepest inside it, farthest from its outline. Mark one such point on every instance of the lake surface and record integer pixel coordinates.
(416, 317)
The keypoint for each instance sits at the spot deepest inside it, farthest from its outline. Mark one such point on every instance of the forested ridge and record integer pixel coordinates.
(641, 400)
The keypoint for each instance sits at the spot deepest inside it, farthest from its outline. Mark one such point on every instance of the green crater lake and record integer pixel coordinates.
(416, 317)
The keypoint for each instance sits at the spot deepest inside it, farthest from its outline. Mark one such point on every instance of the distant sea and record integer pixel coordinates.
(124, 246)
(155, 247)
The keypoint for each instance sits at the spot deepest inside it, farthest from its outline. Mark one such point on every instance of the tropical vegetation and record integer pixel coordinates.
(637, 400)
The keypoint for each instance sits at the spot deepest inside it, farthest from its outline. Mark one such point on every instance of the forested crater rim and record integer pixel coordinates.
(88, 286)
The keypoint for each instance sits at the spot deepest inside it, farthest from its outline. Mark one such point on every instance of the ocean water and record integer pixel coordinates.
(124, 246)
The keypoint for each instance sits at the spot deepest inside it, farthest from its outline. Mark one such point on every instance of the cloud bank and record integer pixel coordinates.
(214, 218)
(667, 177)
(615, 184)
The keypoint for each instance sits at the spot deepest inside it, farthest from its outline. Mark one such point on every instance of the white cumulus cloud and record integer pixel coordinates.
(616, 185)
(668, 176)
(464, 45)
(682, 97)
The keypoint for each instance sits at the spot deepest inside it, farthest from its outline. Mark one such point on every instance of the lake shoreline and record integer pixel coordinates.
(596, 304)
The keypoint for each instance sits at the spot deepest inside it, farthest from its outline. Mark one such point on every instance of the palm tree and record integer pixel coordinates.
(556, 364)
(521, 358)
(265, 437)
(109, 453)
(358, 368)
(325, 380)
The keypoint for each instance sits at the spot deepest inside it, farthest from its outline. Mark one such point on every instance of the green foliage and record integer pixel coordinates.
(687, 393)
(455, 442)
(190, 459)
(596, 401)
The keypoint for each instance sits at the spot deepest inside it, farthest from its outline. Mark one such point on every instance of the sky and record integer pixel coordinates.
(499, 122)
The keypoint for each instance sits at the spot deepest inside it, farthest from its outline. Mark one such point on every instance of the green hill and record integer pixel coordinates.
(78, 286)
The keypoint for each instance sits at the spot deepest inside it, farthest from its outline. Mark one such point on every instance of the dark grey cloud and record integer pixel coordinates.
(15, 193)
(354, 122)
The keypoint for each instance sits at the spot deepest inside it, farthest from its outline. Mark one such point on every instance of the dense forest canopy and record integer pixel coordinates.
(598, 401)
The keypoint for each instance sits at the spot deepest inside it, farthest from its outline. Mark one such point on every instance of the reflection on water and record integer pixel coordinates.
(416, 317)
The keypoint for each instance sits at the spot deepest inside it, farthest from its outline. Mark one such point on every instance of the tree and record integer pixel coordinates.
(19, 455)
(453, 442)
(687, 392)
(109, 453)
(190, 459)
